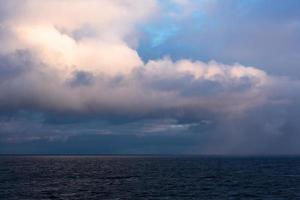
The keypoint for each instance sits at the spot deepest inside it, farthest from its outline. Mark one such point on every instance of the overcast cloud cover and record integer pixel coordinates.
(131, 76)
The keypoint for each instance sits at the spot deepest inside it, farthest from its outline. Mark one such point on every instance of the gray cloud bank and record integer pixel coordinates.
(66, 80)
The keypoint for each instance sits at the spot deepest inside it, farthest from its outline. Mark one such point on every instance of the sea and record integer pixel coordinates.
(149, 177)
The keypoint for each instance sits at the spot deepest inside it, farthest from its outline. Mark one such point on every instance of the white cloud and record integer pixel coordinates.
(95, 37)
(46, 28)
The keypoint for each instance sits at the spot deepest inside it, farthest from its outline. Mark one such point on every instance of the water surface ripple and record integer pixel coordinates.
(146, 177)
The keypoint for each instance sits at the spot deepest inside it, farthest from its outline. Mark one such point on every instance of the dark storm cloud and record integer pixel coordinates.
(270, 129)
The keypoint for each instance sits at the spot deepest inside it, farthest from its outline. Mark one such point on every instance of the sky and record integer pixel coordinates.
(150, 77)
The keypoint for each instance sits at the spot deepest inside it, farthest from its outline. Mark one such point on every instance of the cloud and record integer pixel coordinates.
(42, 33)
(160, 84)
(55, 32)
(257, 33)
(68, 69)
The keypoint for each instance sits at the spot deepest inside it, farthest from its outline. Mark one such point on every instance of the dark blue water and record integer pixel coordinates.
(129, 177)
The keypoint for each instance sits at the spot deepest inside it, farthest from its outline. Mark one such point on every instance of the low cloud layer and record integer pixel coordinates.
(68, 70)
